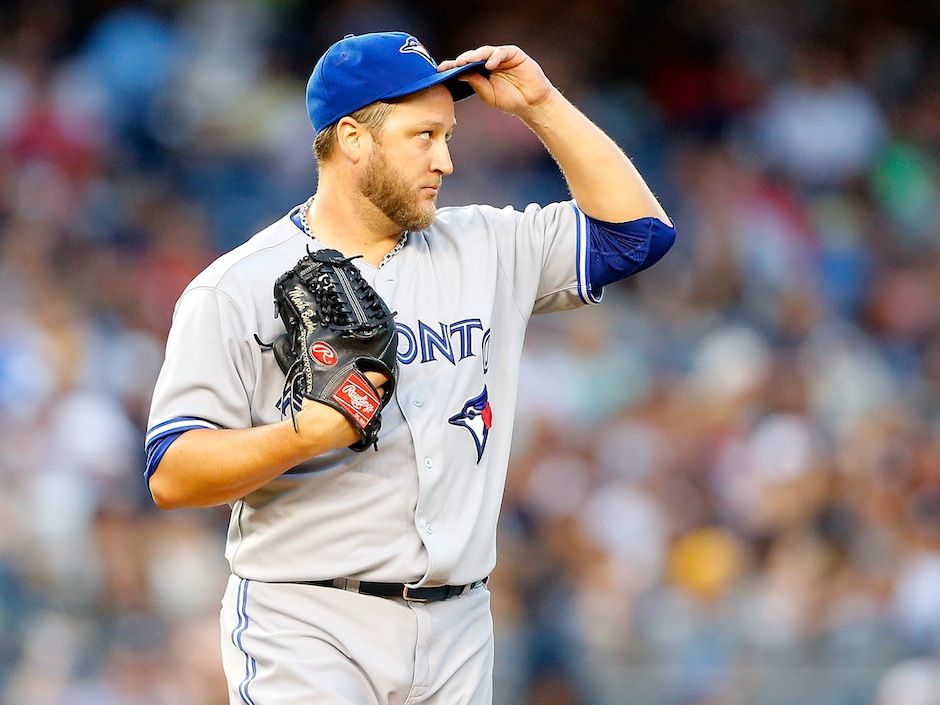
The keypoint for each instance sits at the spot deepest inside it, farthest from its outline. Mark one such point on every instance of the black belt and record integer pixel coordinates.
(422, 594)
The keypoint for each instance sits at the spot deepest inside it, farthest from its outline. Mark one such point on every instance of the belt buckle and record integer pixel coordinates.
(407, 597)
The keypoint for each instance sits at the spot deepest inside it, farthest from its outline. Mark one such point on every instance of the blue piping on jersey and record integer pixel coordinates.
(251, 666)
(295, 217)
(617, 250)
(582, 262)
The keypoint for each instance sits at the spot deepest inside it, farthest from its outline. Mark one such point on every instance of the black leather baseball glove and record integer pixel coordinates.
(337, 328)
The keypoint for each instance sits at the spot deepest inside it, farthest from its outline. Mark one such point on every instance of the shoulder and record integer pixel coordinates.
(450, 216)
(493, 216)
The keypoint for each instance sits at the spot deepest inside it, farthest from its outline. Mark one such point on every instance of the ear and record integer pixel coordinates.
(352, 138)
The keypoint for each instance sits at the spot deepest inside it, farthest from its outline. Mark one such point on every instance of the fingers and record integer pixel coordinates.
(476, 82)
(377, 379)
(494, 57)
(503, 55)
(468, 57)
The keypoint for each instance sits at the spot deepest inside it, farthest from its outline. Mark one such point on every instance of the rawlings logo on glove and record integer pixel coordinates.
(357, 398)
(323, 353)
(337, 328)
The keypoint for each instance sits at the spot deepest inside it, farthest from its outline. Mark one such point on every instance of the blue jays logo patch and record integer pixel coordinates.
(477, 417)
(413, 46)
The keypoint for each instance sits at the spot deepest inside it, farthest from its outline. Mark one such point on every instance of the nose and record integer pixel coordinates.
(441, 161)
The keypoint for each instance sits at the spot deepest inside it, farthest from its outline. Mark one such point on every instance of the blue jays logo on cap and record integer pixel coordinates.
(361, 69)
(413, 45)
(477, 417)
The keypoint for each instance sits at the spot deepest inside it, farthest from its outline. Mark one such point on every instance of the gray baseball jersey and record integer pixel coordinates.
(423, 509)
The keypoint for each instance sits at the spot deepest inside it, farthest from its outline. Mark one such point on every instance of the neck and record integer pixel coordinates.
(341, 218)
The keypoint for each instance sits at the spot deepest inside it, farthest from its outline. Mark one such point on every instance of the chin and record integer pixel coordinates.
(427, 217)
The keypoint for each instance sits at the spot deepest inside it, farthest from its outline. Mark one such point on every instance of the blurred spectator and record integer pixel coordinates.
(822, 128)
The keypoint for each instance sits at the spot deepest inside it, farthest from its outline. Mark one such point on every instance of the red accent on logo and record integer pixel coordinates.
(487, 416)
(356, 396)
(323, 353)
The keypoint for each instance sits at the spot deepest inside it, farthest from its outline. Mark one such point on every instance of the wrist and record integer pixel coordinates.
(539, 115)
(320, 428)
(305, 441)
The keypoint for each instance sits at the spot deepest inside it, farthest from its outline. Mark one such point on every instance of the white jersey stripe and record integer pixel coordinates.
(584, 282)
(176, 424)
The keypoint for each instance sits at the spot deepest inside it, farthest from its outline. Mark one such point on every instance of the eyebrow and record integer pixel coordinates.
(436, 124)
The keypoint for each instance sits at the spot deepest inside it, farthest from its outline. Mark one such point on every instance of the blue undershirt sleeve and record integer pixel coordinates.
(617, 250)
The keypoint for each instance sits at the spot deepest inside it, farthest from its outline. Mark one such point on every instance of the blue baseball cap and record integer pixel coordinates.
(361, 69)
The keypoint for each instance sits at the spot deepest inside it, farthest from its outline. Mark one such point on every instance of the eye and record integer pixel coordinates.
(426, 135)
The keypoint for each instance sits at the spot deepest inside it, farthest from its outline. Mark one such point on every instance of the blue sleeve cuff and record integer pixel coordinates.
(161, 437)
(617, 250)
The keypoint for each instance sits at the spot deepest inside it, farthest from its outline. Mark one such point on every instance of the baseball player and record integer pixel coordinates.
(359, 578)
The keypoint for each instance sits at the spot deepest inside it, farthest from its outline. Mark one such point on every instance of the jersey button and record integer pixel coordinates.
(428, 463)
(417, 402)
(428, 529)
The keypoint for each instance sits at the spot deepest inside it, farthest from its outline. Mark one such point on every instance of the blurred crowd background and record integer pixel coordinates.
(726, 479)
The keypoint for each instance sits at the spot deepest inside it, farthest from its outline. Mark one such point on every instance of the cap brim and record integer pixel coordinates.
(458, 89)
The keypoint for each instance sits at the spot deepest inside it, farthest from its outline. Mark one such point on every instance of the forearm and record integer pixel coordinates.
(206, 467)
(602, 179)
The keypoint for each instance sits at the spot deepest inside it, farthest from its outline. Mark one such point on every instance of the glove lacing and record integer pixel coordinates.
(294, 374)
(337, 310)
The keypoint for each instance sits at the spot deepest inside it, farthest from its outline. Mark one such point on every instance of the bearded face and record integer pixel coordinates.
(404, 203)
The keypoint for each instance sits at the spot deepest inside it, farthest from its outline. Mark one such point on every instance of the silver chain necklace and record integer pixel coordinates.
(305, 209)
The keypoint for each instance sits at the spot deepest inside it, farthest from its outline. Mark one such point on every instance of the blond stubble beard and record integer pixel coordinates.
(386, 190)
